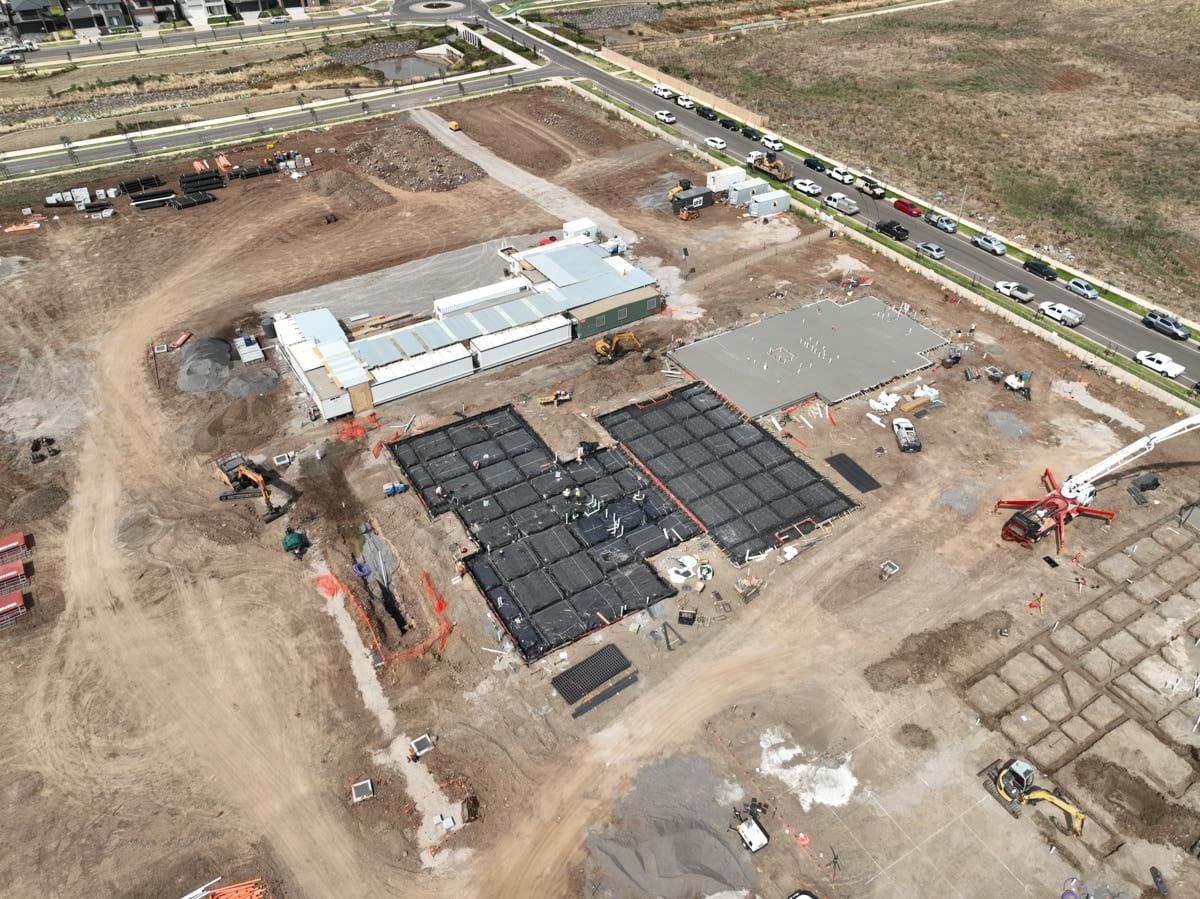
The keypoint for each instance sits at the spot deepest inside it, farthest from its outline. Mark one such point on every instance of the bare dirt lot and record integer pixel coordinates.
(1030, 116)
(185, 700)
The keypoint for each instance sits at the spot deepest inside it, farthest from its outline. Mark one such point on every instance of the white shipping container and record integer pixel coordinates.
(517, 343)
(723, 179)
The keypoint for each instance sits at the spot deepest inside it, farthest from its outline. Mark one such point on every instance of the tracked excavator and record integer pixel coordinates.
(1012, 784)
(608, 349)
(246, 480)
(1065, 502)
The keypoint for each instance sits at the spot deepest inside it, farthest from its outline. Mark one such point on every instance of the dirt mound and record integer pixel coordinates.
(251, 382)
(671, 836)
(410, 158)
(37, 504)
(349, 191)
(204, 365)
(921, 657)
(915, 737)
(1137, 807)
(242, 425)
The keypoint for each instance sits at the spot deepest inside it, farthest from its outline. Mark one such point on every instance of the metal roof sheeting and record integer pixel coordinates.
(491, 341)
(306, 355)
(344, 368)
(317, 325)
(422, 363)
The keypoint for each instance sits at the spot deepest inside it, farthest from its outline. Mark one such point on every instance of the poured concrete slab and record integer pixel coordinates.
(824, 349)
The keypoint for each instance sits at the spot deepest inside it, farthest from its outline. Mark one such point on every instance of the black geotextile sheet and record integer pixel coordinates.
(552, 567)
(858, 477)
(731, 474)
(583, 677)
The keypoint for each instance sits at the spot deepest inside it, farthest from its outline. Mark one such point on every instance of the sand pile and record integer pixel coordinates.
(670, 836)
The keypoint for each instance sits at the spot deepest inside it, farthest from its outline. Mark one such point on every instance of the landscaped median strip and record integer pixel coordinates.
(810, 207)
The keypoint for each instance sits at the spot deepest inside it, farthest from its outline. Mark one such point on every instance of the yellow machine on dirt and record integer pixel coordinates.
(245, 481)
(1012, 784)
(688, 215)
(609, 349)
(684, 184)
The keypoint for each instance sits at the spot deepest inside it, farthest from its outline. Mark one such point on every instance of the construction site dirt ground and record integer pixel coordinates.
(184, 700)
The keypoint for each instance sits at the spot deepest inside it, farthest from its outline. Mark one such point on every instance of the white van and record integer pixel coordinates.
(661, 90)
(752, 835)
(772, 142)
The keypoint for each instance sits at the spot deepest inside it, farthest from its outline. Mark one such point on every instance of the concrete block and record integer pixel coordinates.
(1182, 655)
(1024, 672)
(1178, 727)
(1092, 623)
(1135, 749)
(1174, 538)
(1192, 554)
(1120, 606)
(991, 695)
(1147, 552)
(1024, 725)
(1148, 587)
(1158, 674)
(1051, 750)
(1053, 703)
(1152, 629)
(1047, 657)
(1102, 712)
(1067, 639)
(1137, 692)
(1123, 647)
(1175, 569)
(1179, 608)
(1079, 690)
(1193, 589)
(1099, 664)
(1077, 729)
(1119, 568)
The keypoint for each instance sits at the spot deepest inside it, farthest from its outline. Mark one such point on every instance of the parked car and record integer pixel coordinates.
(989, 243)
(1041, 269)
(665, 116)
(706, 112)
(685, 101)
(815, 164)
(870, 187)
(892, 229)
(842, 174)
(279, 20)
(1063, 314)
(906, 435)
(715, 142)
(932, 250)
(661, 90)
(1013, 290)
(730, 125)
(8, 59)
(941, 222)
(842, 203)
(1165, 324)
(1161, 363)
(752, 133)
(908, 207)
(807, 187)
(1083, 289)
(772, 142)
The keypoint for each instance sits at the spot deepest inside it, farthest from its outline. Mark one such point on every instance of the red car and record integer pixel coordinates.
(908, 207)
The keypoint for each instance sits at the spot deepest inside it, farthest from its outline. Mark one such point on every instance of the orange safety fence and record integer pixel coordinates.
(248, 889)
(384, 441)
(329, 585)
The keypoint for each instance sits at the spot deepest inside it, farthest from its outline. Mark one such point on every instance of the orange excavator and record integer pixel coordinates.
(246, 480)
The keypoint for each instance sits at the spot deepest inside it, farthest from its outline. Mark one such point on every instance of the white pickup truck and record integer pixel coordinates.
(1161, 363)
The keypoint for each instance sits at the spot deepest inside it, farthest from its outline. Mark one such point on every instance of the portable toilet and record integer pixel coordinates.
(741, 191)
(696, 198)
(772, 202)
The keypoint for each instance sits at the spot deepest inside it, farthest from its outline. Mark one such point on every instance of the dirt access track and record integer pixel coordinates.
(183, 702)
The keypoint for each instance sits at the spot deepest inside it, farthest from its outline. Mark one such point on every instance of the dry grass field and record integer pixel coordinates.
(1070, 123)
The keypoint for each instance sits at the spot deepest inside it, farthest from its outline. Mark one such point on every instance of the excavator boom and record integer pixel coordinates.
(1074, 816)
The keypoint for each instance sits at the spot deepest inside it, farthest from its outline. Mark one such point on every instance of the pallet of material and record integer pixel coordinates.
(135, 184)
(252, 171)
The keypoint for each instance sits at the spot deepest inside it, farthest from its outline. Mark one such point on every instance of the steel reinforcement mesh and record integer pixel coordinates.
(749, 491)
(552, 565)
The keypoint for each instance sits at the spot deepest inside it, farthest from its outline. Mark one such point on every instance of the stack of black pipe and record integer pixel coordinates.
(197, 182)
(151, 199)
(135, 184)
(190, 200)
(252, 171)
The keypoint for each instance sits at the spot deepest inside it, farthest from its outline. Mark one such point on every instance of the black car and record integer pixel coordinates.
(815, 164)
(730, 125)
(706, 112)
(1041, 269)
(892, 229)
(751, 133)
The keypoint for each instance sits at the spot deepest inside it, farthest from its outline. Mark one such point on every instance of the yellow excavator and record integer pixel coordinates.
(1012, 784)
(608, 349)
(684, 184)
(246, 480)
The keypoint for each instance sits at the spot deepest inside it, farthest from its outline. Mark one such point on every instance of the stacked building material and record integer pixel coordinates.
(136, 184)
(190, 200)
(201, 181)
(252, 171)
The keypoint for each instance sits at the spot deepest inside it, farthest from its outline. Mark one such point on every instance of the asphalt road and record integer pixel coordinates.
(1109, 325)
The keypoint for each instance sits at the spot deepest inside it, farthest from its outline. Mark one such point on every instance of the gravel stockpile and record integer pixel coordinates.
(205, 364)
(410, 158)
(373, 52)
(347, 190)
(251, 381)
(614, 16)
